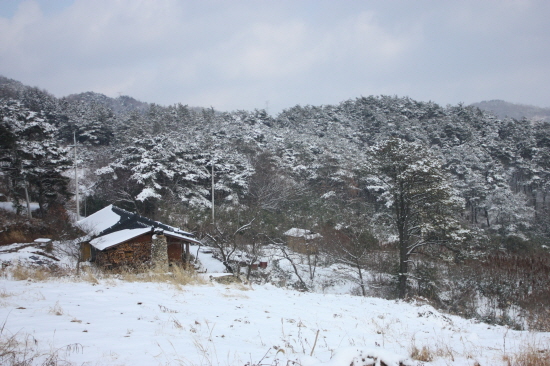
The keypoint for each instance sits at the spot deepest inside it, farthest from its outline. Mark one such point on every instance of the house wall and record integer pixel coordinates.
(135, 252)
(175, 252)
(159, 251)
(131, 253)
(85, 252)
(178, 249)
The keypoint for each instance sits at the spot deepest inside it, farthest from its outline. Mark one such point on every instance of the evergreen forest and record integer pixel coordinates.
(449, 204)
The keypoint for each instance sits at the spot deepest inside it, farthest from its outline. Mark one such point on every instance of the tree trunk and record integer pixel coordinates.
(187, 255)
(403, 271)
(29, 213)
(362, 282)
(403, 229)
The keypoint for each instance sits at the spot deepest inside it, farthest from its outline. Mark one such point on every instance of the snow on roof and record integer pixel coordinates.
(99, 221)
(179, 236)
(148, 222)
(297, 232)
(171, 229)
(302, 233)
(42, 240)
(112, 220)
(109, 240)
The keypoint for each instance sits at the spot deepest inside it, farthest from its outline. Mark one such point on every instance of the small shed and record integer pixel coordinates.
(120, 238)
(302, 240)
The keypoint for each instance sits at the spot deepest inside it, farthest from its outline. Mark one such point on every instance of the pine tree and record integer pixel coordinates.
(31, 156)
(415, 189)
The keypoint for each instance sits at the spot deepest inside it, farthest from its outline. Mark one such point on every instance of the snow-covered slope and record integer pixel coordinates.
(112, 322)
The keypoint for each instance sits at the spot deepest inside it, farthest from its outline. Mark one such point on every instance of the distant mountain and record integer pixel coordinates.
(10, 88)
(518, 111)
(119, 105)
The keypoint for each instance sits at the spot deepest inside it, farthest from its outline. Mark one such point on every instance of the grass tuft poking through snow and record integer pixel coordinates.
(423, 354)
(56, 309)
(23, 273)
(176, 276)
(531, 354)
(21, 349)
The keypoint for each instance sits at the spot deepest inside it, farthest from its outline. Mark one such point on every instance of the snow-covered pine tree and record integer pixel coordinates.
(416, 190)
(32, 156)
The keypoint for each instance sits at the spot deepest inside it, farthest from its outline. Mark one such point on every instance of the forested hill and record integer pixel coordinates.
(519, 111)
(311, 165)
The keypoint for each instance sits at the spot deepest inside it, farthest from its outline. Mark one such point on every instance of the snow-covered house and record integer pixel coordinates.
(119, 237)
(302, 240)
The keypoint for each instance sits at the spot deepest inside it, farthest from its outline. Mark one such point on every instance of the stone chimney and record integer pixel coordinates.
(159, 250)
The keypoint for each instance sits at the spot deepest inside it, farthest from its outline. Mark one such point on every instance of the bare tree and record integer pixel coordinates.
(292, 258)
(351, 245)
(226, 235)
(72, 249)
(252, 250)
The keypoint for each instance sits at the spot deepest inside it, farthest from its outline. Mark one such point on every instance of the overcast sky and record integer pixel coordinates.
(276, 53)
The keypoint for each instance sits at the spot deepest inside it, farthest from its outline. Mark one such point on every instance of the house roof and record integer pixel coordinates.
(302, 233)
(112, 220)
(99, 221)
(117, 237)
(179, 236)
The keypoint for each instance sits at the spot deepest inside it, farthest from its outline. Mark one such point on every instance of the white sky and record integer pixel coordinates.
(245, 54)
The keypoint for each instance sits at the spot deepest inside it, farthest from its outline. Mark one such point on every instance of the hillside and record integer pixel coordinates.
(112, 321)
(512, 110)
(411, 198)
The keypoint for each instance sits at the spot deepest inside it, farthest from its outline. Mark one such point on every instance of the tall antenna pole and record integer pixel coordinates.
(212, 191)
(76, 182)
(29, 213)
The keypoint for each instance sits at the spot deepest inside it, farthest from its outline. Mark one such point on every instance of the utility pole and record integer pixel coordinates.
(76, 181)
(29, 213)
(212, 191)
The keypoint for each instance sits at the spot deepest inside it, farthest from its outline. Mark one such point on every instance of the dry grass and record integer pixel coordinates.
(15, 352)
(56, 309)
(176, 323)
(22, 350)
(88, 275)
(531, 355)
(14, 236)
(24, 273)
(424, 354)
(4, 294)
(237, 295)
(443, 348)
(505, 281)
(176, 276)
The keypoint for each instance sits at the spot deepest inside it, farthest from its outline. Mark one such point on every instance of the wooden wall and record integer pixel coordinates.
(133, 252)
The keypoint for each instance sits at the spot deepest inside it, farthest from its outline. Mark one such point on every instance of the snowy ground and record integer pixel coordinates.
(119, 323)
(8, 206)
(113, 322)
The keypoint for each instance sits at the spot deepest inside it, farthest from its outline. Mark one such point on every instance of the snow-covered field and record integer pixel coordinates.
(120, 323)
(108, 321)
